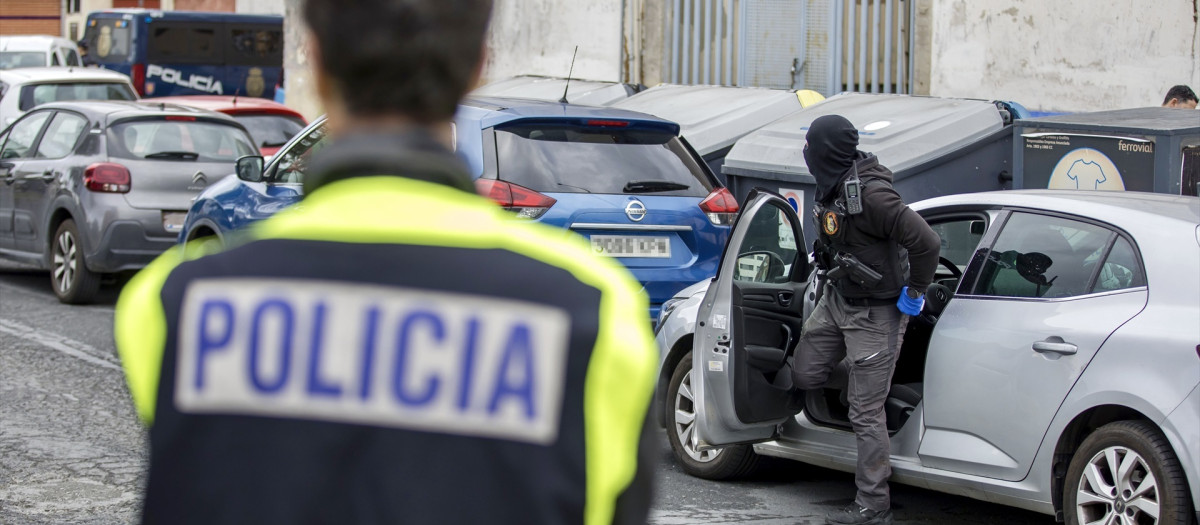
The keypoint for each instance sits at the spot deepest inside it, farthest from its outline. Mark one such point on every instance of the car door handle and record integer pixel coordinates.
(1055, 345)
(785, 298)
(49, 175)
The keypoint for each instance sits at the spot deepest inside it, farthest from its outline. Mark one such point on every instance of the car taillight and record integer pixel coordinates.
(139, 79)
(106, 177)
(720, 206)
(526, 203)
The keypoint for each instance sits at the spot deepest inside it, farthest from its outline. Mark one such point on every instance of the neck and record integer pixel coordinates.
(343, 125)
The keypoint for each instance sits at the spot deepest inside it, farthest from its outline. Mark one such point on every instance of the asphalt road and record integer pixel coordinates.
(72, 451)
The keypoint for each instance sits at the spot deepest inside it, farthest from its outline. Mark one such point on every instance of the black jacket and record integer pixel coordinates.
(887, 236)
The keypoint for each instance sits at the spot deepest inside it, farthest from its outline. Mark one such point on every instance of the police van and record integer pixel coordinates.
(170, 53)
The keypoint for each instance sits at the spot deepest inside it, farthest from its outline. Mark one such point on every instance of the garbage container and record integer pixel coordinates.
(1141, 149)
(712, 118)
(586, 92)
(934, 146)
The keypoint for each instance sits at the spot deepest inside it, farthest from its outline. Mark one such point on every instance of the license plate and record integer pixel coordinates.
(173, 221)
(631, 246)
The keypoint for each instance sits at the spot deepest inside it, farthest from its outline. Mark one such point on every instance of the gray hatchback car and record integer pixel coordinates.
(1055, 367)
(95, 188)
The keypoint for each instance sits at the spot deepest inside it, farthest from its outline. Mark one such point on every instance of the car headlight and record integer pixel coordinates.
(669, 306)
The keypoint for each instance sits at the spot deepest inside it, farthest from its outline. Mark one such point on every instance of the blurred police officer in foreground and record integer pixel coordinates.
(877, 257)
(395, 349)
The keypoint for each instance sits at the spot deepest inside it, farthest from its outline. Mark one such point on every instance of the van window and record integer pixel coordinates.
(35, 94)
(108, 41)
(183, 43)
(73, 58)
(251, 45)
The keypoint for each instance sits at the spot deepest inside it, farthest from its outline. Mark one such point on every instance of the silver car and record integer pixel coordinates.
(95, 188)
(1056, 366)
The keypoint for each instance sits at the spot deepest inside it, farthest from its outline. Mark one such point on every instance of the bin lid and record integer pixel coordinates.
(586, 92)
(1153, 120)
(712, 118)
(903, 131)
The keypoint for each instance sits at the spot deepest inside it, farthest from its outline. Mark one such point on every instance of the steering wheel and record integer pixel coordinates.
(952, 267)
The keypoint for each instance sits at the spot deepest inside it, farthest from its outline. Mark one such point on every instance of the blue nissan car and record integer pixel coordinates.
(624, 180)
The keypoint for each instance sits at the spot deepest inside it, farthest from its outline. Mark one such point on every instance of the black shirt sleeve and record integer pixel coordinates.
(890, 218)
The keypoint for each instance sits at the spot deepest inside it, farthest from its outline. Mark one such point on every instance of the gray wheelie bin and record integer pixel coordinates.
(712, 118)
(934, 146)
(1140, 149)
(586, 92)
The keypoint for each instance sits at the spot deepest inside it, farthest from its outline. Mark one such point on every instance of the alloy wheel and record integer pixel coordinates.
(64, 261)
(1117, 488)
(685, 419)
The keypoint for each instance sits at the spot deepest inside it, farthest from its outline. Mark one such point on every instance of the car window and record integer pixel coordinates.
(1042, 256)
(1122, 269)
(36, 94)
(270, 131)
(23, 133)
(769, 248)
(560, 158)
(54, 59)
(61, 135)
(292, 163)
(18, 59)
(178, 140)
(73, 58)
(960, 238)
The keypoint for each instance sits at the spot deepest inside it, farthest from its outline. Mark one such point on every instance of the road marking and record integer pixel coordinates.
(71, 347)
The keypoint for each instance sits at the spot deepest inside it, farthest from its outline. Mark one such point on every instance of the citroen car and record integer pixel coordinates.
(624, 180)
(91, 189)
(1055, 366)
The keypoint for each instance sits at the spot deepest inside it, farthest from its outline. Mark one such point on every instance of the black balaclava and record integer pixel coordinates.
(831, 149)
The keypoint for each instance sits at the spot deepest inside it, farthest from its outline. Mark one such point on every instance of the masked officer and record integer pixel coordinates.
(878, 256)
(395, 349)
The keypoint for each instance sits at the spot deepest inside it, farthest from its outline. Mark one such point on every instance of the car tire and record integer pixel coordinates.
(725, 463)
(1093, 494)
(72, 282)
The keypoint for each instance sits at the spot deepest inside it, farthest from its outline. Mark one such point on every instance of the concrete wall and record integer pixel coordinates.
(260, 7)
(300, 93)
(537, 37)
(1065, 55)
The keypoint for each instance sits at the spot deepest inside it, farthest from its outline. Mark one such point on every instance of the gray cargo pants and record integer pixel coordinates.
(870, 336)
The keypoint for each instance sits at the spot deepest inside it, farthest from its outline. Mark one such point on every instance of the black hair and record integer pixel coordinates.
(414, 58)
(1181, 92)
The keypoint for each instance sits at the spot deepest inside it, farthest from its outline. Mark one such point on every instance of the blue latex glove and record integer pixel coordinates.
(909, 305)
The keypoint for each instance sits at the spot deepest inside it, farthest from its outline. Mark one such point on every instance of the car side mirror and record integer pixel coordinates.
(250, 168)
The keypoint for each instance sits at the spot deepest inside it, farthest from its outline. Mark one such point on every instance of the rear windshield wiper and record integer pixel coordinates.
(181, 155)
(269, 144)
(650, 186)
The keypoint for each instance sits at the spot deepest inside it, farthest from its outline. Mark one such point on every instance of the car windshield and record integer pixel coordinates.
(178, 140)
(270, 131)
(37, 94)
(16, 59)
(556, 158)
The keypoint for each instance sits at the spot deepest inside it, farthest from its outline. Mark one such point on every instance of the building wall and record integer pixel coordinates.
(30, 17)
(538, 37)
(1065, 55)
(219, 6)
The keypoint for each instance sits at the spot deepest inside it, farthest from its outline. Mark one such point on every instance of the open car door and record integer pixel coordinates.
(748, 325)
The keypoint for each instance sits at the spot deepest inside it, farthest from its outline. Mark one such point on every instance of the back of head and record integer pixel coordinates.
(411, 58)
(1180, 96)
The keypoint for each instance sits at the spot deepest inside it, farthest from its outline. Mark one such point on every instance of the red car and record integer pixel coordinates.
(270, 123)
